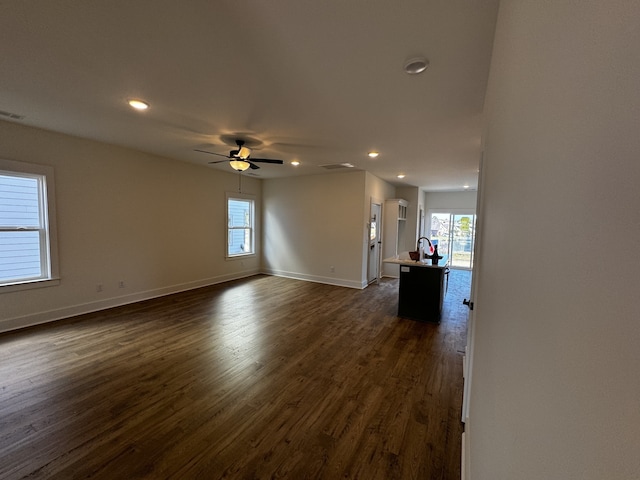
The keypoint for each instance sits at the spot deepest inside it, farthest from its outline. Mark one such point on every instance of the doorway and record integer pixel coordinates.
(373, 270)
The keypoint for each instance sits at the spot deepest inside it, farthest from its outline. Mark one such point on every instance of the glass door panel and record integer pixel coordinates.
(455, 235)
(462, 241)
(440, 231)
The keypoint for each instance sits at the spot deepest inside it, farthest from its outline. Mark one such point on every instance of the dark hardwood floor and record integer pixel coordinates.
(261, 378)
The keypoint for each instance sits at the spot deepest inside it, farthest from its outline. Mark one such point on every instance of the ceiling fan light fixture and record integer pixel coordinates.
(416, 65)
(244, 153)
(239, 165)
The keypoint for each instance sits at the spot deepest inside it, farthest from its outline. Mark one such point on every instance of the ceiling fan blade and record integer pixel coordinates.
(267, 160)
(218, 161)
(211, 153)
(253, 166)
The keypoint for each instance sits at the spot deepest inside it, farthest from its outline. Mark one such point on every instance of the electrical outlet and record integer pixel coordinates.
(332, 268)
(99, 288)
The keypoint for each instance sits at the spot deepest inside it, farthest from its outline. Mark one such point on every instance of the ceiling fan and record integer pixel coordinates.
(240, 159)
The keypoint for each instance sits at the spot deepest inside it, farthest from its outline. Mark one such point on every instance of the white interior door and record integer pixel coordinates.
(374, 243)
(467, 367)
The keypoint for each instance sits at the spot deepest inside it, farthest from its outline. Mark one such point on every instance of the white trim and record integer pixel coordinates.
(463, 469)
(49, 243)
(241, 196)
(471, 328)
(90, 307)
(29, 284)
(374, 201)
(240, 256)
(316, 278)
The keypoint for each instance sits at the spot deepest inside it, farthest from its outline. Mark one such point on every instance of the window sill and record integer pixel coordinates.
(240, 256)
(18, 286)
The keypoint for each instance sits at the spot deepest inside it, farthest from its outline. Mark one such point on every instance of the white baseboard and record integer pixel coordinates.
(90, 307)
(463, 472)
(316, 278)
(94, 306)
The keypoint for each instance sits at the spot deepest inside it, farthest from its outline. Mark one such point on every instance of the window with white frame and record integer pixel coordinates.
(27, 226)
(240, 225)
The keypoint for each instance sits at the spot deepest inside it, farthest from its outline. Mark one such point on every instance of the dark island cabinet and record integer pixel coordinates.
(421, 292)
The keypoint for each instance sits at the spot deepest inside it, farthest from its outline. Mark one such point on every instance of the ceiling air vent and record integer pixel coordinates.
(12, 116)
(334, 166)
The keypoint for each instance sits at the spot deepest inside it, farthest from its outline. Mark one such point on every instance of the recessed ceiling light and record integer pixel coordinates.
(465, 186)
(295, 163)
(401, 175)
(138, 104)
(373, 154)
(417, 65)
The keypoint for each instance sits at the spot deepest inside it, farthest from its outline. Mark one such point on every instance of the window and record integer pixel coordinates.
(240, 225)
(27, 226)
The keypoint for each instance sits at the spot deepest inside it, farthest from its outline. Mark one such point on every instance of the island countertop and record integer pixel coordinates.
(399, 260)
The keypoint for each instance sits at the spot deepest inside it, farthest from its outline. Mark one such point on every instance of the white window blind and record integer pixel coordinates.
(25, 233)
(240, 226)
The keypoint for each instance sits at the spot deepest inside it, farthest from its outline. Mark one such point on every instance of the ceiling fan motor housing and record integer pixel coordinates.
(241, 157)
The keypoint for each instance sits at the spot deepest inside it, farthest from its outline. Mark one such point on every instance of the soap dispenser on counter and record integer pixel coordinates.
(434, 256)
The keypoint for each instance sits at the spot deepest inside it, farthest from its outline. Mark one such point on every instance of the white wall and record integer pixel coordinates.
(376, 190)
(450, 200)
(313, 223)
(556, 389)
(157, 224)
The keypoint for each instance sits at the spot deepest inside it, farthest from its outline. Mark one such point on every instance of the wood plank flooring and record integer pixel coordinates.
(261, 378)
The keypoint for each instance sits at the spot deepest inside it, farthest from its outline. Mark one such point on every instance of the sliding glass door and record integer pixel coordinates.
(454, 234)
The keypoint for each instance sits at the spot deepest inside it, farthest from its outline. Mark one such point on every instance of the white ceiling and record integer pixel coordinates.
(317, 81)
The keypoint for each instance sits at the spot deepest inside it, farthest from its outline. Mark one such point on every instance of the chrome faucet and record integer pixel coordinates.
(430, 245)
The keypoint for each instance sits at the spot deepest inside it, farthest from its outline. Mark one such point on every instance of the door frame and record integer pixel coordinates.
(378, 260)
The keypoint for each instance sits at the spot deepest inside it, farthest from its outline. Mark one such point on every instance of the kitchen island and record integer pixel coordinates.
(422, 288)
